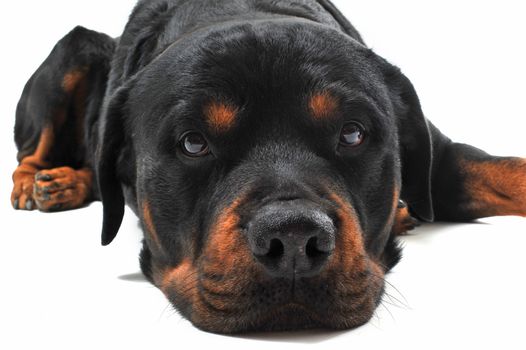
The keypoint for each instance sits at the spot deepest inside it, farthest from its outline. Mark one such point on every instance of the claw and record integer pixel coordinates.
(29, 204)
(43, 177)
(15, 204)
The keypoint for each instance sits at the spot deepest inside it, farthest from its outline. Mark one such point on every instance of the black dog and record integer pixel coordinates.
(267, 151)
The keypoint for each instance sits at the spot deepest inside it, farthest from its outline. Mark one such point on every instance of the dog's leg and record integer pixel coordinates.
(24, 174)
(57, 108)
(468, 183)
(404, 221)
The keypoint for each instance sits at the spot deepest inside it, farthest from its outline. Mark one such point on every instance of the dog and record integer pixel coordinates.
(272, 158)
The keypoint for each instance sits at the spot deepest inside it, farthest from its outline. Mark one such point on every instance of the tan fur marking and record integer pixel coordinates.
(225, 254)
(176, 274)
(150, 227)
(496, 187)
(66, 188)
(400, 220)
(45, 143)
(404, 222)
(24, 174)
(349, 243)
(72, 79)
(220, 116)
(225, 235)
(181, 279)
(322, 105)
(350, 264)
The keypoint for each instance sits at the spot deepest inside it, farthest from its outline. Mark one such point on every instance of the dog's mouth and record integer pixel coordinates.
(245, 299)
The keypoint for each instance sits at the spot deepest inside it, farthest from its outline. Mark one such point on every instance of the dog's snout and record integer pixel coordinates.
(292, 238)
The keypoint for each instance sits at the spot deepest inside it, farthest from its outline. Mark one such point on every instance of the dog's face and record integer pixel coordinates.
(265, 164)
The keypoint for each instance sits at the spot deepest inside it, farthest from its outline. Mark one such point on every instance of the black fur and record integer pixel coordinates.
(148, 87)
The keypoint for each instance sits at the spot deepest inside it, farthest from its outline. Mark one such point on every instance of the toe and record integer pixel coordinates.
(22, 201)
(43, 176)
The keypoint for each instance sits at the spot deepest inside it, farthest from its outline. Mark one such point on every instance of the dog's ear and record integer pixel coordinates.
(107, 155)
(416, 145)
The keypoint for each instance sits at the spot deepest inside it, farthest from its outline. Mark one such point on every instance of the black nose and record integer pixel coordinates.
(292, 238)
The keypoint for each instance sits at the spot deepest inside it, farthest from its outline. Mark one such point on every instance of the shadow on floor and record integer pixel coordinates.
(299, 337)
(133, 277)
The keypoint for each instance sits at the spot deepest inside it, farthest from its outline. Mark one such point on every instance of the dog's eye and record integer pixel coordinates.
(194, 144)
(352, 134)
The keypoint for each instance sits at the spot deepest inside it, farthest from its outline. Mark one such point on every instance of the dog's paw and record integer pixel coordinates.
(22, 194)
(61, 189)
(404, 222)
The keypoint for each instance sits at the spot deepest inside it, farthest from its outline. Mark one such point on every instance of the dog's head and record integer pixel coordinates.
(265, 161)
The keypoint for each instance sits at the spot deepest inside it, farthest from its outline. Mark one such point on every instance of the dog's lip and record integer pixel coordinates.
(291, 311)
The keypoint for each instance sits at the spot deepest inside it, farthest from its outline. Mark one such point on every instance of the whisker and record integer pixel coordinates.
(398, 291)
(168, 305)
(395, 303)
(404, 303)
(390, 284)
(387, 309)
(377, 320)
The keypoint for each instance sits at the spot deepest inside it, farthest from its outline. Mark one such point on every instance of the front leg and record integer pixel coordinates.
(468, 183)
(54, 119)
(404, 221)
(24, 174)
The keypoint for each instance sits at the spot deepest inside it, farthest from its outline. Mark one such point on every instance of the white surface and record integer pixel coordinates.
(458, 285)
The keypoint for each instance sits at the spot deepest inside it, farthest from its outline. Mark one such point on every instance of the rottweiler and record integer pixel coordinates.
(272, 158)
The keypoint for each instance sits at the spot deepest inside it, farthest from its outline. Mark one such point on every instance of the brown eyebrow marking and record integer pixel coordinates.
(220, 116)
(322, 105)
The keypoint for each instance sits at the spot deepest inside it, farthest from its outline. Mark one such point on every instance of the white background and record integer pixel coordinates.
(458, 285)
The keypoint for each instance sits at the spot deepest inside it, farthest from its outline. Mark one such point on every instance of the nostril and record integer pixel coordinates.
(276, 249)
(312, 250)
(273, 257)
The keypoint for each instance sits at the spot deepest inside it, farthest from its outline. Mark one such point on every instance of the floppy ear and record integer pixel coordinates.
(109, 148)
(416, 146)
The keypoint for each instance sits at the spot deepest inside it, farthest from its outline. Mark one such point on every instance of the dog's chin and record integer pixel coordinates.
(301, 312)
(288, 317)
